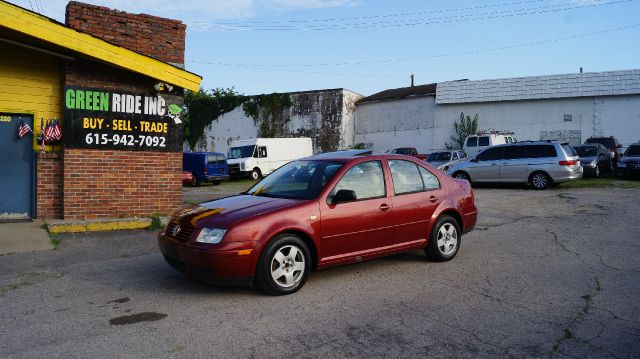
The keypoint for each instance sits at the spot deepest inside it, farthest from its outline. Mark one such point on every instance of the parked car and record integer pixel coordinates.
(442, 160)
(538, 163)
(594, 159)
(205, 166)
(629, 164)
(409, 151)
(258, 157)
(611, 143)
(477, 143)
(188, 179)
(326, 210)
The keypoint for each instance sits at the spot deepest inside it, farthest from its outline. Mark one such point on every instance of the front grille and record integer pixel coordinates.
(183, 234)
(234, 167)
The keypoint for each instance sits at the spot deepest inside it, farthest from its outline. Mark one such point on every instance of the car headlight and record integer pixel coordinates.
(241, 165)
(622, 164)
(592, 164)
(211, 235)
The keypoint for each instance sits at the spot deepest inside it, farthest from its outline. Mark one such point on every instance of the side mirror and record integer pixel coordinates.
(343, 195)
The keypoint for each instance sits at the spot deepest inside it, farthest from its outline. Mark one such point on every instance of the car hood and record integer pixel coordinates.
(226, 211)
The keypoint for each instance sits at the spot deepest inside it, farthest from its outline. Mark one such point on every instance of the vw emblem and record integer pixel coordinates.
(175, 230)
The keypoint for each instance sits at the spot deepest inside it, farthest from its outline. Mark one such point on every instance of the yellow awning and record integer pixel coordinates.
(41, 27)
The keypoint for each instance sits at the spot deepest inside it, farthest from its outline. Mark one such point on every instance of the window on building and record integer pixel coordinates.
(568, 118)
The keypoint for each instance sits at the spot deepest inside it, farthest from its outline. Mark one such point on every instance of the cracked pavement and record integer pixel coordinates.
(551, 273)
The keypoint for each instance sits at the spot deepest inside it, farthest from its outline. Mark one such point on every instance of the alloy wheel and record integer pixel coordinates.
(539, 180)
(288, 266)
(447, 239)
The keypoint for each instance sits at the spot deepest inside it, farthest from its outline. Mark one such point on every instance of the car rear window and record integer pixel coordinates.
(483, 141)
(541, 151)
(570, 151)
(608, 142)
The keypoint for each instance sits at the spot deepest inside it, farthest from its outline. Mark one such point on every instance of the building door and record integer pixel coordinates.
(16, 168)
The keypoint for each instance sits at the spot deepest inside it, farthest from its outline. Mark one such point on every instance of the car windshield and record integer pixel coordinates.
(241, 152)
(607, 141)
(439, 157)
(586, 151)
(296, 180)
(633, 151)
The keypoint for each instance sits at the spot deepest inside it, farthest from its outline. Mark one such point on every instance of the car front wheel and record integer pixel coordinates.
(284, 265)
(444, 241)
(255, 174)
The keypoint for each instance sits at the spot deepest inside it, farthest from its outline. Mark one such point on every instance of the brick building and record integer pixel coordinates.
(113, 81)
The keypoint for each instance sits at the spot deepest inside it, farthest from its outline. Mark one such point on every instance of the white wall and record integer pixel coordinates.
(420, 123)
(325, 116)
(396, 123)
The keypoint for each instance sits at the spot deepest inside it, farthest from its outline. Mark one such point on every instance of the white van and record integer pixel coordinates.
(258, 157)
(476, 143)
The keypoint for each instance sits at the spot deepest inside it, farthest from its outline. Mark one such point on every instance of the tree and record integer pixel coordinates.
(466, 127)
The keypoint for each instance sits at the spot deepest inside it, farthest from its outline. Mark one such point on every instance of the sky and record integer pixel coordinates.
(367, 46)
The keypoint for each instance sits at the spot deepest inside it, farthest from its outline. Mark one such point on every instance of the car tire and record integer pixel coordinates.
(444, 241)
(284, 265)
(540, 180)
(255, 174)
(195, 182)
(462, 175)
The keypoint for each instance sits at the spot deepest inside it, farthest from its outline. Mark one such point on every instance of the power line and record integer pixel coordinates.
(287, 67)
(384, 16)
(412, 22)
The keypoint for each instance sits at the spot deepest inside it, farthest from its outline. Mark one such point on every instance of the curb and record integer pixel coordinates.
(102, 225)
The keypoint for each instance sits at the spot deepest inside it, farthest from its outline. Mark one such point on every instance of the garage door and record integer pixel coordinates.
(16, 169)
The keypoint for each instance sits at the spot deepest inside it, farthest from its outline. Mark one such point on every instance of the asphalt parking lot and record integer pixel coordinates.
(552, 273)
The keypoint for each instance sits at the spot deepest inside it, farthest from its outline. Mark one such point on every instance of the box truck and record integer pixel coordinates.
(258, 157)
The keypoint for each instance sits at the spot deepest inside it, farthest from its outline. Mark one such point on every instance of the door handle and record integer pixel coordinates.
(384, 207)
(433, 199)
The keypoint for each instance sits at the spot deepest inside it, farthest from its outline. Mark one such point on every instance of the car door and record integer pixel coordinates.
(487, 165)
(354, 228)
(262, 160)
(513, 166)
(416, 195)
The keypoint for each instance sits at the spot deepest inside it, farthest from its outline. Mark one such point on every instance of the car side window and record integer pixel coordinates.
(366, 179)
(483, 141)
(406, 177)
(541, 151)
(430, 180)
(454, 156)
(262, 152)
(472, 142)
(490, 154)
(513, 152)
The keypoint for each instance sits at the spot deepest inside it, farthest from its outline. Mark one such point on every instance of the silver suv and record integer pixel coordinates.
(538, 163)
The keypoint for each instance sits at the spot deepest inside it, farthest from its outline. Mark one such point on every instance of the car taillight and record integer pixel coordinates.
(204, 170)
(569, 163)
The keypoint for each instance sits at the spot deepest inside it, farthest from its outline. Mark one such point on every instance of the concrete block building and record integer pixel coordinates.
(570, 107)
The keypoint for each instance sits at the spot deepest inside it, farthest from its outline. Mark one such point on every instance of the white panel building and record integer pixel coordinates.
(569, 107)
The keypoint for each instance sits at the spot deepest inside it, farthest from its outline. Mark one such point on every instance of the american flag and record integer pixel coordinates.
(53, 131)
(23, 129)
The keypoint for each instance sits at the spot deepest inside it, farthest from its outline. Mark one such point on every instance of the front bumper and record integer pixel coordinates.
(628, 171)
(224, 263)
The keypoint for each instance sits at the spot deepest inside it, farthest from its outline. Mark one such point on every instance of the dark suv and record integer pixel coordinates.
(611, 143)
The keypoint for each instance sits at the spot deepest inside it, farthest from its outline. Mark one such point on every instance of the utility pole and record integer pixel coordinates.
(411, 80)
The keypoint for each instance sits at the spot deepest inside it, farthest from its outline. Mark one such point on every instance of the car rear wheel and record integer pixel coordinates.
(284, 265)
(462, 175)
(540, 180)
(195, 182)
(444, 241)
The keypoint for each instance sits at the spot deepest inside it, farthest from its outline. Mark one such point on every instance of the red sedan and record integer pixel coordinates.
(326, 210)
